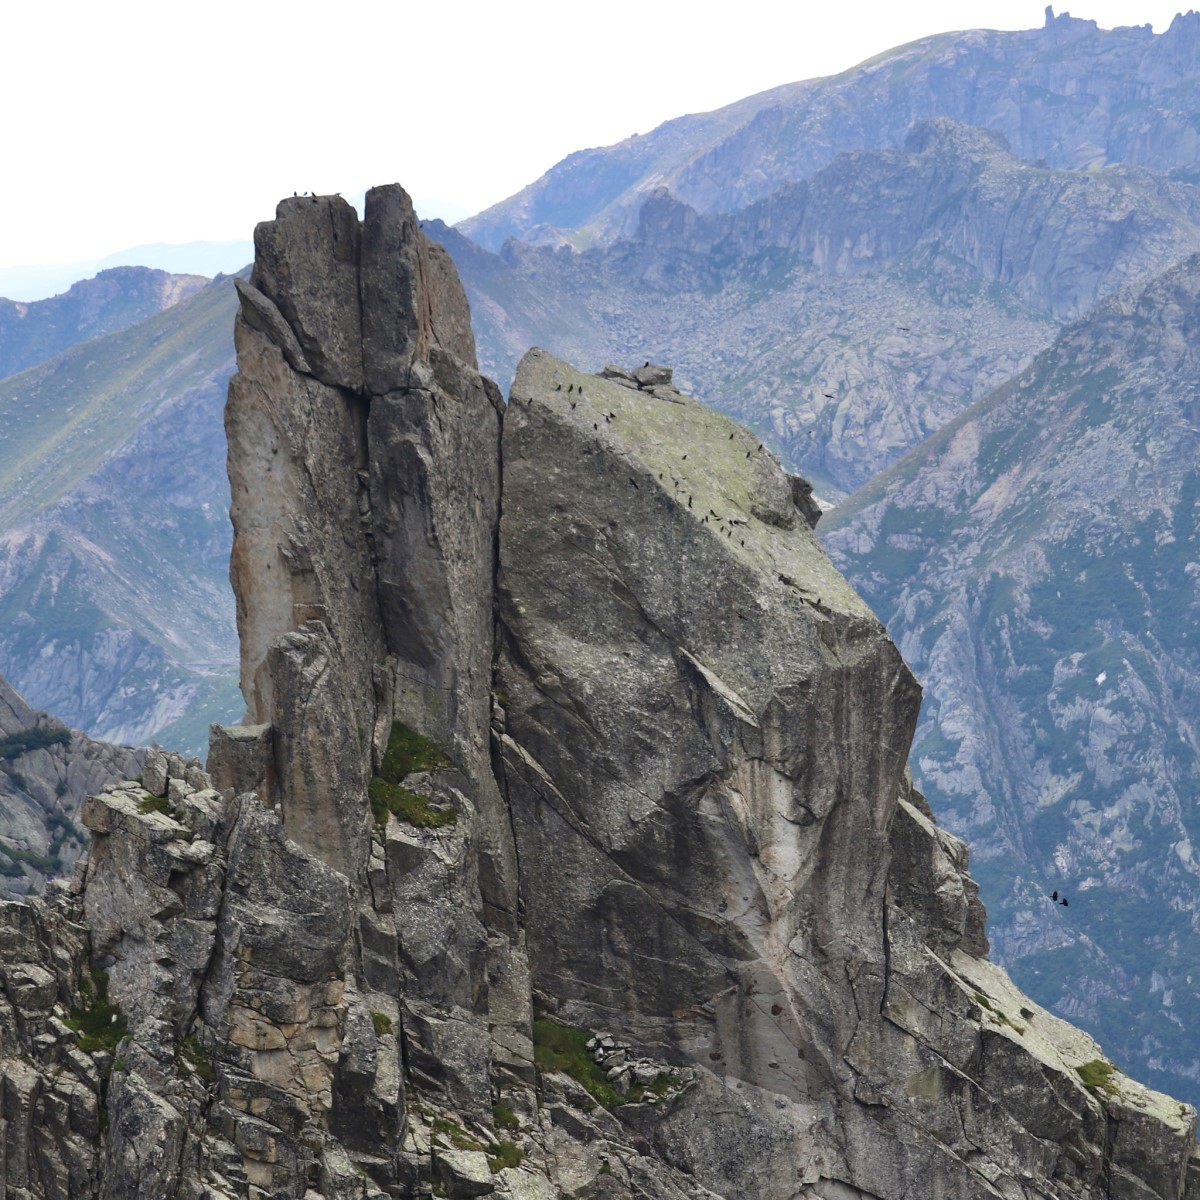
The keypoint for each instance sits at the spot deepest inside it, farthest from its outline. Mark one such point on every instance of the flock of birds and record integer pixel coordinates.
(726, 525)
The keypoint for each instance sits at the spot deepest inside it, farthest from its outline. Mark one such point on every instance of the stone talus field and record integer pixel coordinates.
(569, 848)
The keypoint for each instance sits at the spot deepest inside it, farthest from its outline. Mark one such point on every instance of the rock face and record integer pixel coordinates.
(571, 850)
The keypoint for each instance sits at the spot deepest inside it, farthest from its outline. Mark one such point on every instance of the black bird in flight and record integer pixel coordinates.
(685, 456)
(747, 453)
(635, 486)
(829, 395)
(1054, 894)
(558, 387)
(1064, 902)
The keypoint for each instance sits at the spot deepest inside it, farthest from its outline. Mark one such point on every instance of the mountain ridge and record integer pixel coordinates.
(1024, 84)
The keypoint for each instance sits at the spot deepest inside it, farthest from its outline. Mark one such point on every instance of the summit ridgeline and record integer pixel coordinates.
(568, 848)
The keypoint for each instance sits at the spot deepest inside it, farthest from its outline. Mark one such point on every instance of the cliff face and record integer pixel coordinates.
(569, 848)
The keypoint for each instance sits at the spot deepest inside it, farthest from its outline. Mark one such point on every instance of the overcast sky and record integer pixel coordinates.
(145, 121)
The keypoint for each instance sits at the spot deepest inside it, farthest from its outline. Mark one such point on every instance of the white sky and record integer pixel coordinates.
(148, 121)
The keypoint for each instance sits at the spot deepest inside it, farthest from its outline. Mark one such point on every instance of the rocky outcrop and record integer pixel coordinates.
(47, 771)
(571, 850)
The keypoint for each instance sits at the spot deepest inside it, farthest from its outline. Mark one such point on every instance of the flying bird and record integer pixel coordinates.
(829, 395)
(634, 482)
(1064, 902)
(1054, 894)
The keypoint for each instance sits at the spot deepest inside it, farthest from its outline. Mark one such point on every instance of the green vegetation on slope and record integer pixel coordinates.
(407, 753)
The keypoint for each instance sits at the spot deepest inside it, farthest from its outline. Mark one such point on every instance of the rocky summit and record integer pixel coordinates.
(569, 847)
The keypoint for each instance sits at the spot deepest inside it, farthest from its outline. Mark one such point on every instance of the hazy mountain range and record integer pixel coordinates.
(115, 609)
(848, 316)
(976, 251)
(1037, 562)
(1066, 95)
